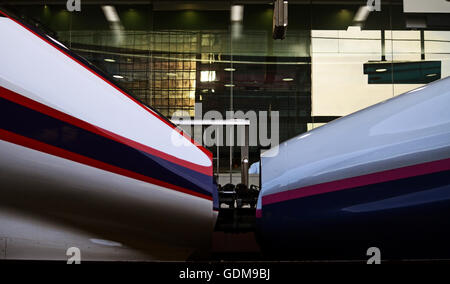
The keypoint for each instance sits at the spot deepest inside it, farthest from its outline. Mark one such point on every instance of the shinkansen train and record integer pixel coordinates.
(83, 164)
(379, 177)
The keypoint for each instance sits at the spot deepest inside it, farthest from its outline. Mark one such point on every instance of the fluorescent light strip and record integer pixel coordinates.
(110, 14)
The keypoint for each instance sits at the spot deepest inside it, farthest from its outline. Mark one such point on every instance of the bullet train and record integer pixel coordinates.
(85, 165)
(379, 177)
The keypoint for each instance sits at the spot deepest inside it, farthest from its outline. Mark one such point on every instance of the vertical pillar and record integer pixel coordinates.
(244, 158)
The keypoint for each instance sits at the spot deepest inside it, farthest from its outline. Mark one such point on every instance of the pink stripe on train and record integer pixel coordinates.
(379, 177)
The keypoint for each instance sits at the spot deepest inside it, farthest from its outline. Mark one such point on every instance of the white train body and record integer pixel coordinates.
(84, 160)
(378, 176)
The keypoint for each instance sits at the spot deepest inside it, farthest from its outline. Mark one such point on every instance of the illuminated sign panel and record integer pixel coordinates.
(428, 6)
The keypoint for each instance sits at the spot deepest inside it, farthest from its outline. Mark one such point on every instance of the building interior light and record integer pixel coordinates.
(118, 76)
(381, 70)
(229, 69)
(431, 75)
(207, 76)
(229, 85)
(288, 79)
(110, 60)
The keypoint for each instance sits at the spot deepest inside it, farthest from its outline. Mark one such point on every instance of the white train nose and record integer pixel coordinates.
(380, 175)
(107, 152)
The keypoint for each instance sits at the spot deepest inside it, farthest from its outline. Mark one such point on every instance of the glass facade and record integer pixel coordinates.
(174, 55)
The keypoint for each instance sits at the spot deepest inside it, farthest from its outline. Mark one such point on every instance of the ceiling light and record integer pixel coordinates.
(118, 76)
(110, 60)
(229, 85)
(229, 69)
(431, 75)
(288, 79)
(237, 13)
(381, 70)
(362, 14)
(110, 14)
